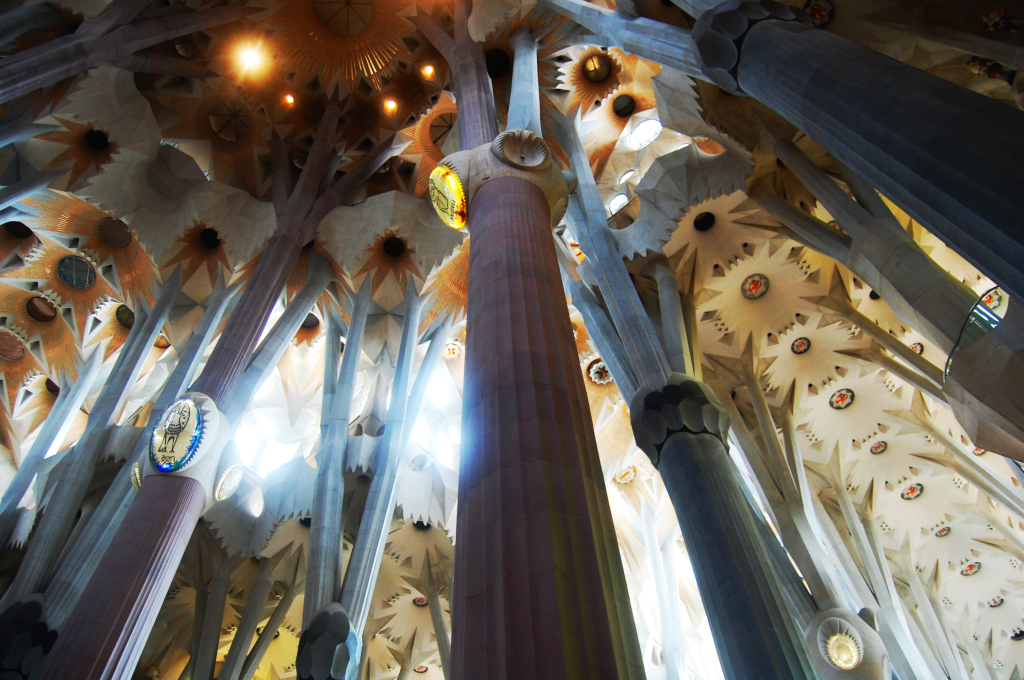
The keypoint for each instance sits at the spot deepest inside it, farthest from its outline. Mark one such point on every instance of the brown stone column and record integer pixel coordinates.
(108, 628)
(528, 600)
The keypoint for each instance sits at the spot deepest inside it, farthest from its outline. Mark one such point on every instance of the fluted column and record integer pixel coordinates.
(251, 617)
(444, 643)
(50, 436)
(252, 661)
(323, 580)
(135, 573)
(364, 565)
(683, 429)
(673, 328)
(55, 527)
(85, 554)
(528, 599)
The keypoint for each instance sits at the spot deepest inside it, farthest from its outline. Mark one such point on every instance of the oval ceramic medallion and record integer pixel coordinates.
(176, 437)
(879, 447)
(800, 345)
(841, 399)
(913, 491)
(448, 197)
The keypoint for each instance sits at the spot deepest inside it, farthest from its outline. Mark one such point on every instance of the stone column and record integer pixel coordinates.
(55, 527)
(251, 617)
(323, 578)
(668, 598)
(134, 573)
(524, 106)
(444, 643)
(77, 568)
(209, 641)
(528, 600)
(252, 661)
(50, 436)
(673, 328)
(683, 430)
(948, 156)
(364, 565)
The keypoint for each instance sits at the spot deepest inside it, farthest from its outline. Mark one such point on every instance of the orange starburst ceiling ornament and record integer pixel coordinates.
(117, 321)
(104, 238)
(34, 317)
(338, 39)
(201, 246)
(41, 401)
(448, 286)
(16, 364)
(591, 76)
(387, 257)
(70, 277)
(86, 147)
(601, 141)
(428, 134)
(16, 238)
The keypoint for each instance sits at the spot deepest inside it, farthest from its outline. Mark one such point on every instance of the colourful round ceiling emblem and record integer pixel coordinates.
(913, 491)
(599, 373)
(421, 669)
(76, 271)
(879, 447)
(970, 569)
(420, 601)
(841, 399)
(625, 476)
(754, 286)
(452, 349)
(995, 601)
(448, 197)
(917, 348)
(820, 12)
(176, 437)
(800, 345)
(942, 532)
(978, 451)
(993, 298)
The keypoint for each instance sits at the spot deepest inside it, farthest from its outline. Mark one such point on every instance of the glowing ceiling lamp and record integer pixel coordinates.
(645, 133)
(390, 105)
(289, 99)
(427, 71)
(250, 58)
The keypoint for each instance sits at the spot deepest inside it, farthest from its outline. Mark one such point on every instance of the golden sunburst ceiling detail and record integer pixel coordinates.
(310, 47)
(86, 147)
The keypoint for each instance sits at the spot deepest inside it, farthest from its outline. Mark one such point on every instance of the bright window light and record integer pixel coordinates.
(617, 203)
(439, 390)
(626, 176)
(276, 454)
(644, 133)
(421, 433)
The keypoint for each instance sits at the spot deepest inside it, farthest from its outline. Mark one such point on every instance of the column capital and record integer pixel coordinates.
(719, 31)
(683, 405)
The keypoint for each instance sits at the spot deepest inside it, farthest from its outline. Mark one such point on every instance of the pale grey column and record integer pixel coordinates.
(444, 643)
(78, 566)
(672, 326)
(209, 641)
(51, 434)
(251, 617)
(935, 627)
(601, 330)
(56, 524)
(923, 295)
(896, 632)
(586, 217)
(322, 581)
(17, 132)
(269, 352)
(672, 641)
(524, 103)
(252, 661)
(364, 565)
(22, 189)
